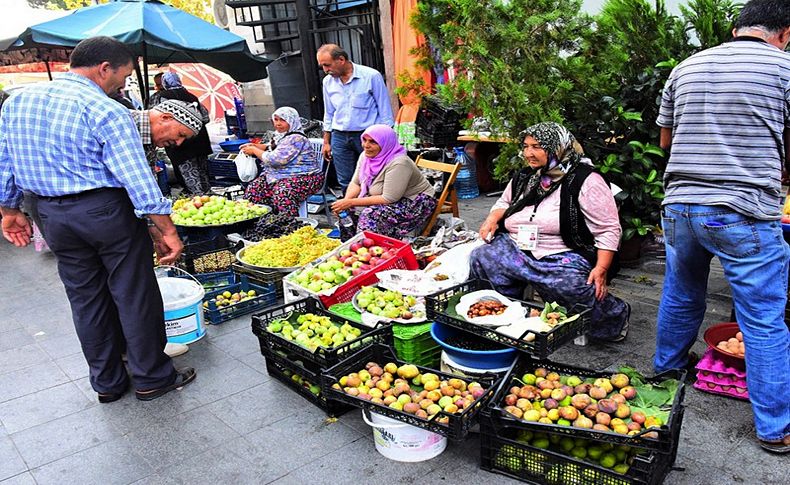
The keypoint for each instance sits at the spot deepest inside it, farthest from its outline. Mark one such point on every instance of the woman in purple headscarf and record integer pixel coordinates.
(388, 194)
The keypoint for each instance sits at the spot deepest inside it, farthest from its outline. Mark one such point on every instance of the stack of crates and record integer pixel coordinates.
(414, 344)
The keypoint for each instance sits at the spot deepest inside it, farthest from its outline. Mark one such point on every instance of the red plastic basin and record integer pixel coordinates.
(719, 332)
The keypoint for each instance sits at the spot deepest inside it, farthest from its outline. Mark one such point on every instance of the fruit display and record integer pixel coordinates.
(272, 226)
(617, 458)
(733, 345)
(404, 388)
(486, 307)
(623, 403)
(312, 331)
(227, 298)
(359, 257)
(296, 249)
(300, 380)
(205, 210)
(387, 303)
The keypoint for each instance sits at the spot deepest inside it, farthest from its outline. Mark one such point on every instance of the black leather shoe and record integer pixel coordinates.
(108, 397)
(183, 377)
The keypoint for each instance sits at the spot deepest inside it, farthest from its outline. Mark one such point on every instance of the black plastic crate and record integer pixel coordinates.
(263, 277)
(502, 452)
(265, 296)
(667, 433)
(457, 426)
(283, 370)
(441, 308)
(323, 357)
(213, 255)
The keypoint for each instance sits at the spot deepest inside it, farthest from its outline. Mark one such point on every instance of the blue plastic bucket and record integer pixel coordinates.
(476, 359)
(183, 301)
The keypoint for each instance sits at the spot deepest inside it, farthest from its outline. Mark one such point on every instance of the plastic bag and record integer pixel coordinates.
(246, 167)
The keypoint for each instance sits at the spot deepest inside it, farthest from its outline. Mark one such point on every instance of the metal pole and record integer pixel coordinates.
(309, 63)
(145, 76)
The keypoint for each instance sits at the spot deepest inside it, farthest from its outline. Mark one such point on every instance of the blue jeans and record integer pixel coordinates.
(346, 148)
(755, 259)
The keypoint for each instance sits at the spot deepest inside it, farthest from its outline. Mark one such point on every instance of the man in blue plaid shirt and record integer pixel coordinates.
(79, 153)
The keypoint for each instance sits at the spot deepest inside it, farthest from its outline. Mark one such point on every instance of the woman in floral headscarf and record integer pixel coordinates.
(290, 169)
(393, 195)
(555, 227)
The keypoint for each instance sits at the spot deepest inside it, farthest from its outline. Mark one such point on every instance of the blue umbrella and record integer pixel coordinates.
(157, 32)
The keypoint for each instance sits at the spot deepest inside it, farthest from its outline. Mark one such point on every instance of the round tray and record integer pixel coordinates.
(721, 331)
(397, 320)
(307, 220)
(282, 269)
(268, 210)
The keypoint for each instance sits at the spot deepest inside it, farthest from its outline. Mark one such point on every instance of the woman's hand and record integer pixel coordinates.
(598, 278)
(488, 229)
(342, 204)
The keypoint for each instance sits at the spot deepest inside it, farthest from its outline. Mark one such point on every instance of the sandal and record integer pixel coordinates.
(778, 446)
(183, 377)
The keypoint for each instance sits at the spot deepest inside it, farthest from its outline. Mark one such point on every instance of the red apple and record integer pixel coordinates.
(355, 246)
(374, 261)
(357, 264)
(376, 250)
(387, 254)
(368, 242)
(362, 251)
(356, 271)
(365, 257)
(343, 259)
(365, 267)
(351, 260)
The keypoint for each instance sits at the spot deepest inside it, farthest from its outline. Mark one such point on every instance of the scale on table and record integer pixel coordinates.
(226, 156)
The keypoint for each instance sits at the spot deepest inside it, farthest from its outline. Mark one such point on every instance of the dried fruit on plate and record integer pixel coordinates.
(485, 308)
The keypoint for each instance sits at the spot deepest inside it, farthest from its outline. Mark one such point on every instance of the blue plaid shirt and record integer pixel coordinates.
(67, 136)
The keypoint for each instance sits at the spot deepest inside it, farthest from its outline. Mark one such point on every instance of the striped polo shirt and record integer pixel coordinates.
(728, 107)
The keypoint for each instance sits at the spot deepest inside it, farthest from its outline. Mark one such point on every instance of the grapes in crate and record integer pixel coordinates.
(272, 226)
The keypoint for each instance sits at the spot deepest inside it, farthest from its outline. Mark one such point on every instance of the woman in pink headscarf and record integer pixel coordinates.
(388, 194)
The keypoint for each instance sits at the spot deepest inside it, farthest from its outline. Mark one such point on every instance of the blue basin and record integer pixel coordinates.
(476, 359)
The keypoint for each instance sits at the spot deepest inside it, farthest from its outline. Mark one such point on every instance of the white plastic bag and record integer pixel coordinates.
(246, 167)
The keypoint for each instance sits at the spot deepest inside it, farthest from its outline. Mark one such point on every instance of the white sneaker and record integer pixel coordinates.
(174, 350)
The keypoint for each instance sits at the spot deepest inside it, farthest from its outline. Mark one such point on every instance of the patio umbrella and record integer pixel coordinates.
(154, 31)
(214, 89)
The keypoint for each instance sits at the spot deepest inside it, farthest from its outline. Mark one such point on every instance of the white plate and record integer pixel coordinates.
(515, 310)
(419, 307)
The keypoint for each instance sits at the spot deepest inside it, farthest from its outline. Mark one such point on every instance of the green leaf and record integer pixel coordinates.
(631, 115)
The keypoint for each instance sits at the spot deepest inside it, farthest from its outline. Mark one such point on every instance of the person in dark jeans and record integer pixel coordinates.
(79, 153)
(190, 159)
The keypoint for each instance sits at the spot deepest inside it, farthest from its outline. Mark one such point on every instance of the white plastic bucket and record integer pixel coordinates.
(403, 442)
(183, 300)
(449, 366)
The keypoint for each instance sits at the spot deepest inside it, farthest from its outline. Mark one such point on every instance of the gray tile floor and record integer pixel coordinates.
(235, 424)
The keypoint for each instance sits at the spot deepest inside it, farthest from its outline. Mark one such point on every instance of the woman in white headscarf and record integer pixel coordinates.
(290, 169)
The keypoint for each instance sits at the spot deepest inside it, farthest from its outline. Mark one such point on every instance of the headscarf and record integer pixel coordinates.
(390, 149)
(170, 80)
(563, 154)
(290, 116)
(188, 114)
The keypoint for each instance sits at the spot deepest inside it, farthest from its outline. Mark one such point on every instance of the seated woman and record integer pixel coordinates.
(290, 169)
(394, 195)
(555, 227)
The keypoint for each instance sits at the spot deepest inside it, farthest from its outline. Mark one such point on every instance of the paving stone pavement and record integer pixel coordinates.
(235, 424)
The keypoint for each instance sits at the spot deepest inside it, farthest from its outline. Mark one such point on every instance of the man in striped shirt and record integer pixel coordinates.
(725, 112)
(79, 153)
